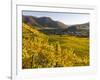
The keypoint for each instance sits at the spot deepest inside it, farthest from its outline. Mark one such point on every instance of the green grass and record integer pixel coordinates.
(80, 45)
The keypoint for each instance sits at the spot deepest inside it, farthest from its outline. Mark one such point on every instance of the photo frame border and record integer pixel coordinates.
(14, 72)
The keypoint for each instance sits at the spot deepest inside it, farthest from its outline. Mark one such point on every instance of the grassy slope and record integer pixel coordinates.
(80, 45)
(40, 50)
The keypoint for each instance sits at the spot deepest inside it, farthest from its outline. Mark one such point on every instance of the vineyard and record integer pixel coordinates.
(40, 50)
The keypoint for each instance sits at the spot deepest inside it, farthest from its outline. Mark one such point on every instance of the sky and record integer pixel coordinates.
(65, 17)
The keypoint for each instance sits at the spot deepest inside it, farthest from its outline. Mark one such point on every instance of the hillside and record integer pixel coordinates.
(81, 30)
(43, 22)
(40, 50)
(49, 26)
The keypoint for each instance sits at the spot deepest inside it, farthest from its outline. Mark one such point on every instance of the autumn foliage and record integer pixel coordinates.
(45, 51)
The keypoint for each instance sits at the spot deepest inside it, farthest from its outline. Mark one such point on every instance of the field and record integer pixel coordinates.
(46, 51)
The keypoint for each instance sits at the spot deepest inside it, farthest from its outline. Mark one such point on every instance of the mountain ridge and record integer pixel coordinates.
(49, 26)
(42, 22)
